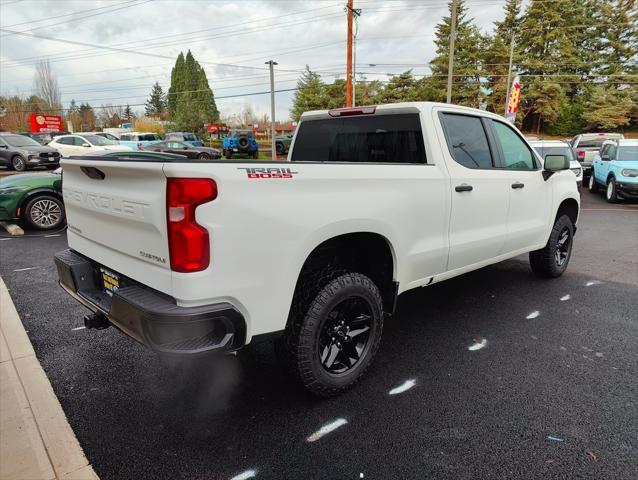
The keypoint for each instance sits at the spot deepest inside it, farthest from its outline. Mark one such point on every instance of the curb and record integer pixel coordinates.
(36, 440)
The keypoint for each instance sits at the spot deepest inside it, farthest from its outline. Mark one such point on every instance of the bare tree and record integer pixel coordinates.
(46, 86)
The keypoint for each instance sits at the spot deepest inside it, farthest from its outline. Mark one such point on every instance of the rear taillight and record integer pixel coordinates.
(581, 154)
(188, 242)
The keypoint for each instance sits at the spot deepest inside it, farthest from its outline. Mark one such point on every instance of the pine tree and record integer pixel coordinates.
(400, 88)
(128, 113)
(468, 45)
(177, 84)
(156, 104)
(190, 96)
(309, 94)
(86, 117)
(609, 108)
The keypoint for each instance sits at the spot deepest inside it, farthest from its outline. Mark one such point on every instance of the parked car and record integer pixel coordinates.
(137, 140)
(184, 148)
(189, 137)
(19, 152)
(587, 145)
(33, 198)
(282, 143)
(137, 154)
(241, 142)
(369, 206)
(558, 147)
(616, 168)
(78, 144)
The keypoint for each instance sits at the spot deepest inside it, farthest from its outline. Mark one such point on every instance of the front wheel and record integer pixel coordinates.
(18, 163)
(552, 260)
(203, 156)
(611, 194)
(593, 186)
(330, 342)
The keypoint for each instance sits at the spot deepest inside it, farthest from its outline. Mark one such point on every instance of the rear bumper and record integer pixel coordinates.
(151, 317)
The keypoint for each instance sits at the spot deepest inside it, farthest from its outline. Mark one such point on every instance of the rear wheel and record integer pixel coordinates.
(552, 260)
(333, 335)
(203, 156)
(593, 186)
(44, 212)
(18, 163)
(611, 194)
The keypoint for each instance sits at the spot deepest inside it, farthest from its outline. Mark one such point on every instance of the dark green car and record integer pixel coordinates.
(33, 198)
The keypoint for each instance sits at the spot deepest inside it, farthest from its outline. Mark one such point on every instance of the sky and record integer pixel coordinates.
(230, 38)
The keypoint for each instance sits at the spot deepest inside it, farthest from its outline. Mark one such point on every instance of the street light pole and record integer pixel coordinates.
(450, 64)
(272, 63)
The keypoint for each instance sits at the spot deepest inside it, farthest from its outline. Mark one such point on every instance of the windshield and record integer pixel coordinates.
(99, 141)
(628, 154)
(20, 141)
(544, 151)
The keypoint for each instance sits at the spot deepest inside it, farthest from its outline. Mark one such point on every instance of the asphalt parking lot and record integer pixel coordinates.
(553, 393)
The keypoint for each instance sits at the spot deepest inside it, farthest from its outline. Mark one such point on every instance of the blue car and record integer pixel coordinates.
(241, 142)
(616, 168)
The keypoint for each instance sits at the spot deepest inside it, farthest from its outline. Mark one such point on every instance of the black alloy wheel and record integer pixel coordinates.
(344, 335)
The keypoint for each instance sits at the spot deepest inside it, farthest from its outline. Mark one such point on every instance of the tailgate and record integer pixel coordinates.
(116, 214)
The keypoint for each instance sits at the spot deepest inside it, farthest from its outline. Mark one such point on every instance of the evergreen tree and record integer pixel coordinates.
(309, 94)
(191, 102)
(556, 40)
(177, 84)
(468, 46)
(609, 108)
(128, 113)
(367, 92)
(156, 104)
(86, 117)
(334, 94)
(400, 88)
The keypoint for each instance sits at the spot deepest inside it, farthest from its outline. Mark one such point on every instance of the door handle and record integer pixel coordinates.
(464, 188)
(517, 185)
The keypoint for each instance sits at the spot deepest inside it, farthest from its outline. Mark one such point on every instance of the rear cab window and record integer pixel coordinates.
(375, 138)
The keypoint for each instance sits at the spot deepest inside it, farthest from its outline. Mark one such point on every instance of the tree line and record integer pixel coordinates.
(576, 59)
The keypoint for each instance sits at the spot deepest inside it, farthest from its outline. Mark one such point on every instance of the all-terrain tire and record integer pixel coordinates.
(611, 193)
(544, 262)
(316, 298)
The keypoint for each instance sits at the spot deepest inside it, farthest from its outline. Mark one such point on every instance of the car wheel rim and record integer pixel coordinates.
(563, 246)
(591, 182)
(610, 189)
(345, 335)
(18, 164)
(45, 213)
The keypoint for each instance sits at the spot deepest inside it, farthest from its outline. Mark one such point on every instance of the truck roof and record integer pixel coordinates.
(402, 107)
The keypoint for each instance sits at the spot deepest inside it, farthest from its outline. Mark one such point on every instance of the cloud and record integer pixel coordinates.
(294, 33)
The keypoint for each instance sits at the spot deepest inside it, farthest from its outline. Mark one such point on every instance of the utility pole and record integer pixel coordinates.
(272, 63)
(350, 12)
(509, 75)
(450, 65)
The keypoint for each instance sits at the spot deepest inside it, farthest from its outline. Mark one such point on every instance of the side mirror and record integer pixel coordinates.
(86, 145)
(553, 164)
(605, 158)
(4, 146)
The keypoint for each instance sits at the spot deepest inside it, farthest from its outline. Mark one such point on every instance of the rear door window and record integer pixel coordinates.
(390, 138)
(467, 140)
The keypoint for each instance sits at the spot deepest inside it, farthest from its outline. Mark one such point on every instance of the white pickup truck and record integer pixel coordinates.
(192, 257)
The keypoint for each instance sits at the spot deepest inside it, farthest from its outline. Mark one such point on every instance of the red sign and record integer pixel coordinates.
(45, 123)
